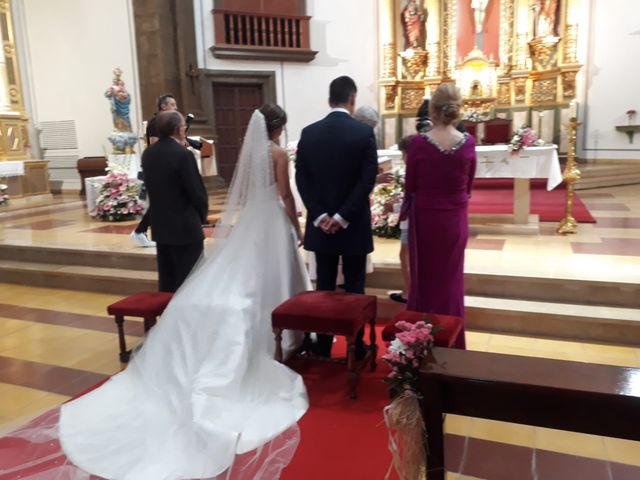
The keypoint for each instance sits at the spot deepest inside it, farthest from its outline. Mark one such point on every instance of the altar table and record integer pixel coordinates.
(496, 161)
(11, 169)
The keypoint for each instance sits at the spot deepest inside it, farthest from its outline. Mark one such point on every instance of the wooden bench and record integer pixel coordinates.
(573, 396)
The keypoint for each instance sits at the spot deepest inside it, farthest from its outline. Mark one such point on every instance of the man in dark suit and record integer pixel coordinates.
(179, 201)
(336, 167)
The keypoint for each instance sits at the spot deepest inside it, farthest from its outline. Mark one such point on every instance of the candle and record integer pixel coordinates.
(573, 109)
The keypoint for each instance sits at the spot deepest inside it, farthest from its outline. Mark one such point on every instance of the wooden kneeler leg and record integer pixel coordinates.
(373, 344)
(124, 354)
(278, 354)
(149, 322)
(352, 366)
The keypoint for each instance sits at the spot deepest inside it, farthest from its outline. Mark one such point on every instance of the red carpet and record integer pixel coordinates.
(342, 438)
(495, 196)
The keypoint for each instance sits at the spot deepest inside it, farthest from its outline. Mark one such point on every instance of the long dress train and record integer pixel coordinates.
(203, 397)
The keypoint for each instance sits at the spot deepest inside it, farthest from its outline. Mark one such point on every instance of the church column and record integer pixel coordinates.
(14, 135)
(448, 39)
(5, 105)
(386, 27)
(389, 70)
(433, 38)
(389, 60)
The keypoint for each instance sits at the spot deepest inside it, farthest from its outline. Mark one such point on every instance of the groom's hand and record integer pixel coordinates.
(324, 224)
(332, 226)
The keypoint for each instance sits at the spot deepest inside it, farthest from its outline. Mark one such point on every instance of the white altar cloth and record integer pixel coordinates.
(128, 163)
(495, 161)
(92, 186)
(11, 169)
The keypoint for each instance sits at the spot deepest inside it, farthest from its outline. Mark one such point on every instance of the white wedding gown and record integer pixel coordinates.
(203, 397)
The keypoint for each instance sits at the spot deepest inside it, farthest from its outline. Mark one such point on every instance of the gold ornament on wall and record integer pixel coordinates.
(415, 63)
(411, 98)
(520, 90)
(571, 44)
(390, 94)
(543, 52)
(389, 59)
(504, 94)
(569, 84)
(544, 91)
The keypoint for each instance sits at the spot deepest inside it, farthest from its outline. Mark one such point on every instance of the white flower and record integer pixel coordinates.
(397, 346)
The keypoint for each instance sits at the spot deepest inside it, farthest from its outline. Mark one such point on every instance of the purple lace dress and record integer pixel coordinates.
(437, 189)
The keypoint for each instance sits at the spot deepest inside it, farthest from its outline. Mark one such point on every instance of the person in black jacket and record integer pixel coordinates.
(179, 199)
(166, 103)
(336, 167)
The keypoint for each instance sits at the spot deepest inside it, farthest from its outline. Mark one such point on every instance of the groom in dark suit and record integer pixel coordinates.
(179, 199)
(336, 167)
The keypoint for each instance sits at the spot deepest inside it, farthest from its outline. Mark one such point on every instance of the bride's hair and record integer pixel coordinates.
(274, 117)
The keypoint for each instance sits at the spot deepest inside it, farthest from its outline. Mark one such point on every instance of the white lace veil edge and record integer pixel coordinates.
(33, 452)
(253, 175)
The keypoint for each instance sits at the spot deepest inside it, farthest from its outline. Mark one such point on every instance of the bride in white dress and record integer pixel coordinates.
(203, 397)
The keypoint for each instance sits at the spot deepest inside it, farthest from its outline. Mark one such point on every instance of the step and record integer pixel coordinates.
(76, 277)
(561, 290)
(555, 320)
(602, 182)
(142, 259)
(538, 319)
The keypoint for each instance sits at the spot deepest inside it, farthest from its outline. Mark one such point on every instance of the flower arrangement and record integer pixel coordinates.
(118, 199)
(524, 137)
(406, 353)
(4, 198)
(292, 150)
(403, 417)
(474, 116)
(385, 219)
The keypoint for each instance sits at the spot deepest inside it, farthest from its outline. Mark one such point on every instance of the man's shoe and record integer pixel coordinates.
(141, 239)
(397, 297)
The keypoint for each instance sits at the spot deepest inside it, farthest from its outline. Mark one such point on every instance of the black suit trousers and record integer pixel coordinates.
(354, 272)
(145, 222)
(175, 263)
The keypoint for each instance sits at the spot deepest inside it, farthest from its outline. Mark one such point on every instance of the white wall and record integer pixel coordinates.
(610, 80)
(69, 48)
(344, 32)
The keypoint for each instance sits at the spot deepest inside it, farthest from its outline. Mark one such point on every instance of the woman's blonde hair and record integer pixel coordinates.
(445, 104)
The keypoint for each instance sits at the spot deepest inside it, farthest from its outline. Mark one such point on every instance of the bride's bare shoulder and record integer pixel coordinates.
(278, 153)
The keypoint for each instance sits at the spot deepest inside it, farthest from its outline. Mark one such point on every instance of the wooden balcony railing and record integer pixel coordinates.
(261, 36)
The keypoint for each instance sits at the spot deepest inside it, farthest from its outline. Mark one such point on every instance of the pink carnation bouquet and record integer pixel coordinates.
(524, 137)
(403, 416)
(119, 199)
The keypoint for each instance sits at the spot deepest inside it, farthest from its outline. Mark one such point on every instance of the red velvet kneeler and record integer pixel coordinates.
(146, 305)
(446, 337)
(333, 313)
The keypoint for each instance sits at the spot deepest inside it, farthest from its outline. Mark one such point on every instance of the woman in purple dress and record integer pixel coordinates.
(440, 169)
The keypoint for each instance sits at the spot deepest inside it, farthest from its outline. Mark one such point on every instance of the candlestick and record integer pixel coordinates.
(573, 109)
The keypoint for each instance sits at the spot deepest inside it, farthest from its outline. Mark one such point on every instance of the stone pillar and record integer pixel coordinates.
(386, 27)
(5, 105)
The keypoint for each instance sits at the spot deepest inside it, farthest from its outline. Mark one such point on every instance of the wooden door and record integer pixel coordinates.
(233, 105)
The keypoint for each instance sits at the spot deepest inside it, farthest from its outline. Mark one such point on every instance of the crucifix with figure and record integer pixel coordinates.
(479, 7)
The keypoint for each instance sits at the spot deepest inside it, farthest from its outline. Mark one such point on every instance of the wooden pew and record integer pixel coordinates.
(573, 396)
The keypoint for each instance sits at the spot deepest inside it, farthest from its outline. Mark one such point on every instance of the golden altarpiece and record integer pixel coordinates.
(14, 122)
(515, 59)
